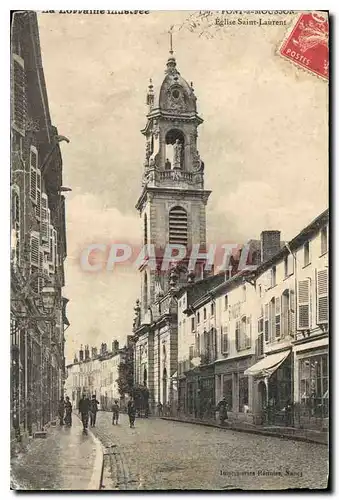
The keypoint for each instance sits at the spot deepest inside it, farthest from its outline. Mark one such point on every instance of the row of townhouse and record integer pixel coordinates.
(260, 339)
(38, 238)
(95, 374)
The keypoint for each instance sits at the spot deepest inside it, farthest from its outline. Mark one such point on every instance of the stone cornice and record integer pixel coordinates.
(168, 191)
(170, 116)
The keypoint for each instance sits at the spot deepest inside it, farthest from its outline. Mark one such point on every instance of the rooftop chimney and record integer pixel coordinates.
(86, 352)
(81, 354)
(270, 244)
(115, 346)
(94, 352)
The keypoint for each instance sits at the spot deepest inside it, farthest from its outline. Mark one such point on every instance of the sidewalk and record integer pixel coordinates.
(65, 460)
(307, 435)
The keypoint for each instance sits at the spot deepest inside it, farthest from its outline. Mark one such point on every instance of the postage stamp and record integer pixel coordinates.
(307, 44)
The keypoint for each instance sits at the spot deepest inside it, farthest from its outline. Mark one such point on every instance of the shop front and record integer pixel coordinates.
(272, 389)
(232, 383)
(311, 389)
(200, 392)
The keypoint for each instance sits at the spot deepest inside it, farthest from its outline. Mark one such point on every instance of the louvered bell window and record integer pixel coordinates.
(178, 226)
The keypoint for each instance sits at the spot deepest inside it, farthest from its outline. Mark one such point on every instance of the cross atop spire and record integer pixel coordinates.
(171, 40)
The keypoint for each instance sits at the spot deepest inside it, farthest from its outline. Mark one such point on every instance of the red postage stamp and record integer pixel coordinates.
(307, 44)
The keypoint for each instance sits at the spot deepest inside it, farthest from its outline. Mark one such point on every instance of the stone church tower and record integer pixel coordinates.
(173, 201)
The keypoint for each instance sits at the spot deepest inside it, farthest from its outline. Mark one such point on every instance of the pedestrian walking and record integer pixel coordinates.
(115, 409)
(93, 410)
(84, 407)
(131, 411)
(68, 412)
(159, 406)
(222, 409)
(61, 410)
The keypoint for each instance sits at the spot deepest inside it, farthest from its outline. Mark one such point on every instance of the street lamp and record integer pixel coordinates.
(48, 295)
(58, 139)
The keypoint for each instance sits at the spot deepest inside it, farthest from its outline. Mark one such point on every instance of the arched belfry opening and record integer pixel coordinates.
(175, 148)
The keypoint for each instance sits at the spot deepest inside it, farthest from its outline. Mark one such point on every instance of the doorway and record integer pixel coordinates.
(262, 393)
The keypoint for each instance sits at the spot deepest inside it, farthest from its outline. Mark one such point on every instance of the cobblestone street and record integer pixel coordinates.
(160, 454)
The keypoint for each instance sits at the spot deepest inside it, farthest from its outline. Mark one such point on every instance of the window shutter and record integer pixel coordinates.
(266, 318)
(15, 243)
(291, 323)
(19, 95)
(33, 181)
(304, 320)
(237, 335)
(44, 218)
(38, 194)
(41, 268)
(248, 338)
(191, 352)
(33, 175)
(34, 249)
(322, 297)
(224, 344)
(197, 345)
(51, 249)
(271, 336)
(260, 325)
(56, 263)
(277, 317)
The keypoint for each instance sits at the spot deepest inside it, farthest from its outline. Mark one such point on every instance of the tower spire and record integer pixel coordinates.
(171, 63)
(171, 40)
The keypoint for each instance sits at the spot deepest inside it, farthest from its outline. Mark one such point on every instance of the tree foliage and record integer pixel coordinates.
(140, 395)
(125, 378)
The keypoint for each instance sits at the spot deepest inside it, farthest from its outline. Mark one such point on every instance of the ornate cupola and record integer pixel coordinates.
(172, 158)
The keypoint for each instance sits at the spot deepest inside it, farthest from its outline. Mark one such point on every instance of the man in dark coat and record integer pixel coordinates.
(131, 411)
(93, 411)
(222, 409)
(115, 410)
(68, 409)
(61, 410)
(84, 407)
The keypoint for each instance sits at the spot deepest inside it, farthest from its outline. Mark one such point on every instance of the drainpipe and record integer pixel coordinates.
(295, 315)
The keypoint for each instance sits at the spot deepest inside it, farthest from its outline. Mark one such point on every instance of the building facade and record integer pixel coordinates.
(38, 238)
(260, 338)
(95, 373)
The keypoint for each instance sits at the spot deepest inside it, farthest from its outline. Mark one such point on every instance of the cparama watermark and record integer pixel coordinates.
(105, 257)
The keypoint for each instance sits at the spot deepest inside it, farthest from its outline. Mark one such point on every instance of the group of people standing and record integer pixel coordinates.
(65, 411)
(88, 409)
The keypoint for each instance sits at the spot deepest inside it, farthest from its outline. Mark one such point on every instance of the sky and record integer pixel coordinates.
(264, 141)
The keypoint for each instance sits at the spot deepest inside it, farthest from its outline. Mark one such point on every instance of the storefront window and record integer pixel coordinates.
(227, 391)
(243, 394)
(313, 376)
(279, 388)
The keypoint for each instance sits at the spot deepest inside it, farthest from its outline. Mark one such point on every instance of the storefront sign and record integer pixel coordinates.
(235, 365)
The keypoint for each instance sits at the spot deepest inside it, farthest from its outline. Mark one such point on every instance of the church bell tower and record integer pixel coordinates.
(172, 205)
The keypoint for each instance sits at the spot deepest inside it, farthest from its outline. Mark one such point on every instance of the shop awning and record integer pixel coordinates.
(265, 367)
